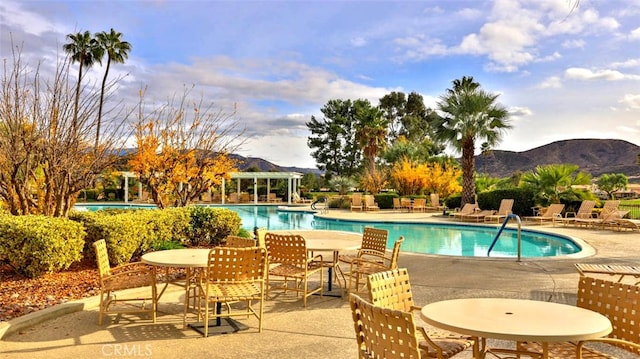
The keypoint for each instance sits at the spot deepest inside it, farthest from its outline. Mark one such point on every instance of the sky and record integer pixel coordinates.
(564, 69)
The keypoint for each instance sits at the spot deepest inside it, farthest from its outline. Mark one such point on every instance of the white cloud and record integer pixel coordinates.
(358, 42)
(635, 34)
(550, 82)
(520, 111)
(631, 101)
(419, 47)
(573, 44)
(628, 63)
(577, 73)
(469, 14)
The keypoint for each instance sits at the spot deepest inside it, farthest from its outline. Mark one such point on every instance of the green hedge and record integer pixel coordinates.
(35, 245)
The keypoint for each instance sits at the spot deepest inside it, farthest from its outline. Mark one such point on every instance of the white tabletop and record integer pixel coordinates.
(185, 257)
(327, 240)
(516, 319)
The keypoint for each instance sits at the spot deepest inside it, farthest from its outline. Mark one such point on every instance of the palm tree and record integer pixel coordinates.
(470, 114)
(371, 131)
(554, 183)
(117, 52)
(84, 50)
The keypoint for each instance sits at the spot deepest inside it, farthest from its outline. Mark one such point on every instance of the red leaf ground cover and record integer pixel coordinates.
(20, 295)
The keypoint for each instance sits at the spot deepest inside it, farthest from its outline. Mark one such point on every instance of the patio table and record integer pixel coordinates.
(516, 320)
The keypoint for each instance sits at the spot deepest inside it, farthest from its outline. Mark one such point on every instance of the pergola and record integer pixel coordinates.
(293, 182)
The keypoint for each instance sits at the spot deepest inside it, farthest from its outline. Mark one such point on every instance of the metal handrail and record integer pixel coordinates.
(504, 224)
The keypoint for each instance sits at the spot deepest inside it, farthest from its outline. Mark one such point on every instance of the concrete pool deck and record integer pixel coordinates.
(324, 329)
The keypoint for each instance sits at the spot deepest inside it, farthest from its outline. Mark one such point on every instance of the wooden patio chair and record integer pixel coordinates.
(373, 247)
(127, 276)
(382, 332)
(234, 275)
(505, 209)
(360, 268)
(392, 289)
(405, 203)
(617, 301)
(396, 204)
(289, 256)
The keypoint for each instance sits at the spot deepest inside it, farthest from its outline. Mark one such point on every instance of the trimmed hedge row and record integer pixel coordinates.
(37, 244)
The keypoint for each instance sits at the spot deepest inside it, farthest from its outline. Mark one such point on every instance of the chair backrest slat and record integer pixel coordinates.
(102, 259)
(286, 248)
(617, 301)
(231, 264)
(236, 241)
(382, 332)
(374, 239)
(391, 289)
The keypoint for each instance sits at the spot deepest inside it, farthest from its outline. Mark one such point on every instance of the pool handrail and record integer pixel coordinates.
(504, 224)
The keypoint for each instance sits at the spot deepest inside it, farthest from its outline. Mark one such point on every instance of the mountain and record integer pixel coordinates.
(594, 156)
(266, 166)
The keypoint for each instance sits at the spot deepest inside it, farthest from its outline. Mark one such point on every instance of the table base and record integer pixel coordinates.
(226, 326)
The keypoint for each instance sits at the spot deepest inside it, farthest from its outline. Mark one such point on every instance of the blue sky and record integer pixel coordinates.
(563, 72)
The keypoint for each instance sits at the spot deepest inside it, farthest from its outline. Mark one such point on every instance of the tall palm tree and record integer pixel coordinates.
(117, 52)
(470, 114)
(371, 131)
(84, 50)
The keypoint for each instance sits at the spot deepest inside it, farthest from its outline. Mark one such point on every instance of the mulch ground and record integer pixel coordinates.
(20, 295)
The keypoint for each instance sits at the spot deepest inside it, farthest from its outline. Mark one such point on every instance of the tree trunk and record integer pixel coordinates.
(468, 172)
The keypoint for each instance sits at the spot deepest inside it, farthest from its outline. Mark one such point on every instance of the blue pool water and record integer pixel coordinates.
(431, 238)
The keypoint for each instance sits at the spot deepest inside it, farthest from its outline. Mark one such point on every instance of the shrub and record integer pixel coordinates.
(35, 245)
(210, 226)
(385, 200)
(522, 200)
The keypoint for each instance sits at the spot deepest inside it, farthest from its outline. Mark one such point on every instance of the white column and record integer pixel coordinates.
(255, 190)
(126, 189)
(222, 191)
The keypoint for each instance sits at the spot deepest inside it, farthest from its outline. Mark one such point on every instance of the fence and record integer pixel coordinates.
(634, 210)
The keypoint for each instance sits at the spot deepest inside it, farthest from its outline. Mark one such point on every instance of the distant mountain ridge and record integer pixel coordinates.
(594, 156)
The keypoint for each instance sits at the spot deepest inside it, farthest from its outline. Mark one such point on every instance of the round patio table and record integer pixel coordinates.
(516, 320)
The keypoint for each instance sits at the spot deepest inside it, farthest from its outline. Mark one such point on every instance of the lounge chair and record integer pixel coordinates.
(584, 211)
(271, 198)
(601, 219)
(435, 203)
(405, 203)
(370, 203)
(478, 216)
(609, 269)
(467, 209)
(552, 214)
(298, 199)
(419, 205)
(356, 202)
(396, 204)
(506, 206)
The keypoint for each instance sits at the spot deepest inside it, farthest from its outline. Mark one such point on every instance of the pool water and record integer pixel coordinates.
(430, 238)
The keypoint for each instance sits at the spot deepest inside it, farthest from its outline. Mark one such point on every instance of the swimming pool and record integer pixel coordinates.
(426, 238)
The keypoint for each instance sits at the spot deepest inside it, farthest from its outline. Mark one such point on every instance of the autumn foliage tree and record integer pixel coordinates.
(47, 138)
(412, 178)
(183, 149)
